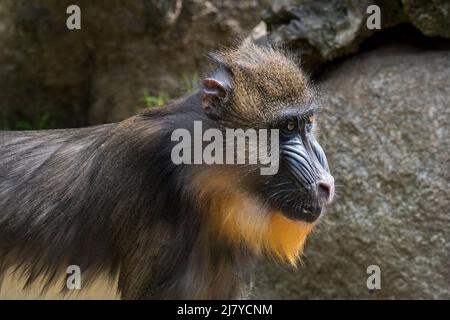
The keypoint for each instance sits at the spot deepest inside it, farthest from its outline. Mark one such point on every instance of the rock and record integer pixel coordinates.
(431, 17)
(99, 73)
(42, 70)
(323, 30)
(385, 130)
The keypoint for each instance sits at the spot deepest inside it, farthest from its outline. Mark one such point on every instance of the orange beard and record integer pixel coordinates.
(287, 237)
(240, 218)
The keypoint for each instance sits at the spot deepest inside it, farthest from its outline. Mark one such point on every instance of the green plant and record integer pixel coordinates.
(5, 125)
(190, 82)
(41, 122)
(190, 85)
(155, 101)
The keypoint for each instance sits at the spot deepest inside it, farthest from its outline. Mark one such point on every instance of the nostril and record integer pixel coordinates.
(324, 190)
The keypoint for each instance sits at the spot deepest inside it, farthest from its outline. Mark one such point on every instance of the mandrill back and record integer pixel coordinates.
(109, 200)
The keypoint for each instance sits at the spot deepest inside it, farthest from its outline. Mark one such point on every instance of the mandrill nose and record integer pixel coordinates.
(325, 190)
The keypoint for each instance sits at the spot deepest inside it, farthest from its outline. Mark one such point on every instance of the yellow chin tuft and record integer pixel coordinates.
(240, 218)
(286, 238)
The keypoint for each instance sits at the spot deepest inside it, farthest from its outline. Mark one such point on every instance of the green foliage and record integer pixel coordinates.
(4, 126)
(155, 101)
(41, 122)
(190, 82)
(190, 85)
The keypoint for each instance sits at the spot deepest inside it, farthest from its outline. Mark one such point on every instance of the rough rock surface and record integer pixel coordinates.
(321, 30)
(430, 17)
(386, 133)
(99, 73)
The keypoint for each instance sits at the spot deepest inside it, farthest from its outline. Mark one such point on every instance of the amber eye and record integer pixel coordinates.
(290, 125)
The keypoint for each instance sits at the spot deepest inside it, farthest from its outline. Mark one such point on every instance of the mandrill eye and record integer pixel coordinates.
(290, 126)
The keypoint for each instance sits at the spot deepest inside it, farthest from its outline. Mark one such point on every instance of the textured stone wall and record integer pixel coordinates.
(386, 131)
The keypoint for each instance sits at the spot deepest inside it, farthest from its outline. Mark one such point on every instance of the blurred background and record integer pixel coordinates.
(384, 127)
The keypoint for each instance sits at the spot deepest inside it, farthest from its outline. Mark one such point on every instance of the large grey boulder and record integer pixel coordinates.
(322, 30)
(386, 133)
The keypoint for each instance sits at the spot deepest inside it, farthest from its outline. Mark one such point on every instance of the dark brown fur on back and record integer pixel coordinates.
(108, 198)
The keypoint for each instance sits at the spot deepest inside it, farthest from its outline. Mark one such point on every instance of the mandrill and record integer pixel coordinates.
(110, 198)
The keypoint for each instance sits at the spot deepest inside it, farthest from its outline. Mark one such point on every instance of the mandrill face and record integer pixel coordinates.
(303, 185)
(263, 88)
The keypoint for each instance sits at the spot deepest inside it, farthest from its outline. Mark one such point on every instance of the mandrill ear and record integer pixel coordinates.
(216, 93)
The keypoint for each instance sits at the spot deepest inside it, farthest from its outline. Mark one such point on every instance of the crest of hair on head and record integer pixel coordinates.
(264, 81)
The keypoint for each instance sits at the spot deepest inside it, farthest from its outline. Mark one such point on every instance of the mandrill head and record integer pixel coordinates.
(264, 89)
